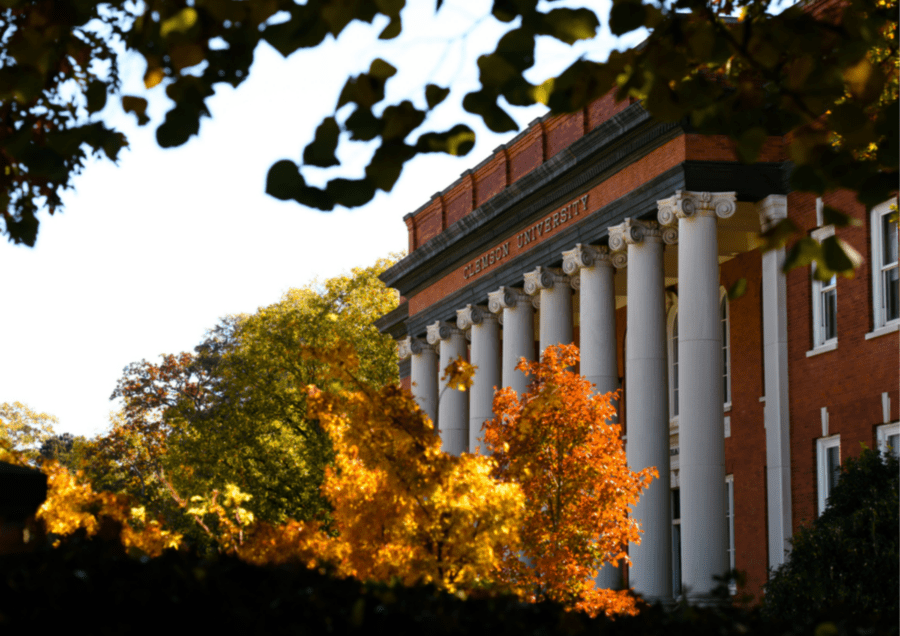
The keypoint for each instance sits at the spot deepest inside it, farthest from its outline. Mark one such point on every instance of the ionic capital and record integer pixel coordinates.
(634, 232)
(771, 210)
(413, 346)
(691, 205)
(506, 298)
(585, 256)
(473, 315)
(441, 330)
(544, 278)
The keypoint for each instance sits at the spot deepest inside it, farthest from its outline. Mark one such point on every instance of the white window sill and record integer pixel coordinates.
(891, 327)
(822, 348)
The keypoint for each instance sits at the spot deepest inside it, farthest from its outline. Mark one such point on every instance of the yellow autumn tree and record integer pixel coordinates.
(558, 442)
(402, 509)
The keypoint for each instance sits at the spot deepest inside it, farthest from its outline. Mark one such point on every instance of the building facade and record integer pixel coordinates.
(622, 235)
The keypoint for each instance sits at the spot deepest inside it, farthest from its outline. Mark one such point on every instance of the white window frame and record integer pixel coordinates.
(883, 433)
(821, 344)
(822, 447)
(880, 322)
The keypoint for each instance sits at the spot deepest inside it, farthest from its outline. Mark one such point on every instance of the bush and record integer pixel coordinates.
(847, 560)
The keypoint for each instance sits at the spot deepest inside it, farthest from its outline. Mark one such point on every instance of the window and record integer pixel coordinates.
(828, 460)
(676, 542)
(885, 271)
(889, 438)
(729, 519)
(674, 367)
(824, 303)
(673, 362)
(726, 349)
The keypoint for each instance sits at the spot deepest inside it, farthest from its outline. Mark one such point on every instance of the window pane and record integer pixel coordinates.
(894, 444)
(829, 314)
(889, 240)
(891, 293)
(676, 560)
(676, 504)
(833, 467)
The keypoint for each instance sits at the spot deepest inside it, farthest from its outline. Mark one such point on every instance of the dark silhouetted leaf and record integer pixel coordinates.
(320, 151)
(738, 289)
(136, 105)
(96, 96)
(435, 94)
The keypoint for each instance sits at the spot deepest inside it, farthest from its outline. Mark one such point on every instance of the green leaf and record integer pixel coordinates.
(626, 15)
(96, 96)
(392, 30)
(750, 144)
(350, 193)
(457, 141)
(136, 105)
(833, 216)
(483, 104)
(435, 94)
(400, 120)
(839, 257)
(807, 179)
(803, 253)
(320, 151)
(570, 25)
(363, 125)
(284, 180)
(381, 69)
(738, 289)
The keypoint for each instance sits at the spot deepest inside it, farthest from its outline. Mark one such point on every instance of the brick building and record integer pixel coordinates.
(621, 234)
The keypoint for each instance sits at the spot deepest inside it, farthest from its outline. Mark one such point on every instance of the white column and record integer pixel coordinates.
(555, 304)
(423, 374)
(453, 405)
(701, 429)
(775, 362)
(485, 337)
(647, 400)
(597, 341)
(517, 317)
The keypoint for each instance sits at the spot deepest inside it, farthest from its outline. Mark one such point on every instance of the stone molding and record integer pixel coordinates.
(440, 330)
(473, 315)
(690, 205)
(771, 210)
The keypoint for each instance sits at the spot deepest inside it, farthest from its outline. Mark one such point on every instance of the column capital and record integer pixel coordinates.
(771, 210)
(635, 232)
(473, 315)
(585, 256)
(689, 205)
(413, 346)
(544, 278)
(506, 298)
(440, 330)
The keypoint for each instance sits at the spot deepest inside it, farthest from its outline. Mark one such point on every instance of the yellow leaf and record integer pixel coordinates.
(153, 76)
(180, 22)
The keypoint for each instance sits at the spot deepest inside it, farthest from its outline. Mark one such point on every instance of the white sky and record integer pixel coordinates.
(151, 252)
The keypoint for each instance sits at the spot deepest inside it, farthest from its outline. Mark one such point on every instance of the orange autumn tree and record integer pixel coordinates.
(402, 509)
(558, 443)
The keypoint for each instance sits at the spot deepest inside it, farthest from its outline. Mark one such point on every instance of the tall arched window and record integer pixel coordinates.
(726, 348)
(672, 323)
(674, 370)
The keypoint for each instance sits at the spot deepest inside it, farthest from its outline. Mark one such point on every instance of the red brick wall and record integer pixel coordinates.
(849, 380)
(563, 131)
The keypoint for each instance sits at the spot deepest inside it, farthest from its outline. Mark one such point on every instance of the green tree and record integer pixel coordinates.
(235, 411)
(25, 430)
(824, 76)
(846, 560)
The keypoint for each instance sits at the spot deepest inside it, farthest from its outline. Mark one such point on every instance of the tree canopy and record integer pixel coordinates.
(235, 410)
(823, 76)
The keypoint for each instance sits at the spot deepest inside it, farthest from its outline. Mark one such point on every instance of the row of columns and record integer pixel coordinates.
(690, 219)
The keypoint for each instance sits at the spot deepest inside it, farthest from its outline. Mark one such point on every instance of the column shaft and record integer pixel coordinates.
(424, 376)
(518, 334)
(647, 405)
(701, 427)
(775, 362)
(453, 405)
(485, 355)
